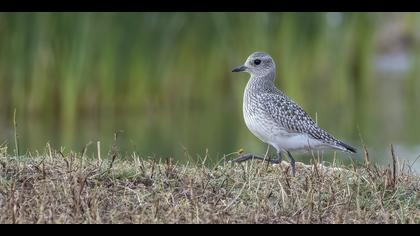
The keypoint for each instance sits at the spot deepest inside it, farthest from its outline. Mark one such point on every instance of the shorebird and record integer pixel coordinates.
(277, 120)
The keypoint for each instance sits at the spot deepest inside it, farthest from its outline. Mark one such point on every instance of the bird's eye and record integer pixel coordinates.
(257, 61)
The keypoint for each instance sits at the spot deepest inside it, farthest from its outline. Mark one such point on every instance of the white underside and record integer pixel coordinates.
(296, 142)
(282, 140)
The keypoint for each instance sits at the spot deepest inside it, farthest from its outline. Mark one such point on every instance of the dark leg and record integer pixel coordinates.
(292, 163)
(279, 157)
(246, 157)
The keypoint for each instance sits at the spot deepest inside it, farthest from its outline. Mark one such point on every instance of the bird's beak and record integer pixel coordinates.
(239, 68)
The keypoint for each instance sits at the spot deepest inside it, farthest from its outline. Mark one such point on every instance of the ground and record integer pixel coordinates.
(69, 188)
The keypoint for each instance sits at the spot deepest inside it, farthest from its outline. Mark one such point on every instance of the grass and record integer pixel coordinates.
(73, 188)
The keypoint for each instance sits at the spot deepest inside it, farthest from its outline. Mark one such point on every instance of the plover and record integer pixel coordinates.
(277, 120)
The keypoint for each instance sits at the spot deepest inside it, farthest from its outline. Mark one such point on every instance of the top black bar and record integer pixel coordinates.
(200, 5)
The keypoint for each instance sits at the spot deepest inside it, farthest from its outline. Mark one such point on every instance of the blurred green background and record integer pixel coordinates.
(165, 79)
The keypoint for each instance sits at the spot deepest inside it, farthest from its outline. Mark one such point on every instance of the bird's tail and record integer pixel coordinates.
(346, 147)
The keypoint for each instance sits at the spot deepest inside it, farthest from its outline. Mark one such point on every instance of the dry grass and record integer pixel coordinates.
(69, 188)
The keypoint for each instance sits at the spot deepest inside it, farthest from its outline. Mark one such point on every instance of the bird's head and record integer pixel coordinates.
(257, 64)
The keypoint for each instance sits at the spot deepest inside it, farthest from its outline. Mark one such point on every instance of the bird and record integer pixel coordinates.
(276, 119)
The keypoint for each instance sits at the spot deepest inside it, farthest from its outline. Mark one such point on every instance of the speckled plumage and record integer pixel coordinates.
(274, 118)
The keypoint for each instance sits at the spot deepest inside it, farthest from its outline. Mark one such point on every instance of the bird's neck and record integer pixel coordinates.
(262, 83)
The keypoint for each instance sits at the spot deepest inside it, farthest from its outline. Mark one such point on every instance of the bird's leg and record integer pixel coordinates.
(292, 163)
(279, 157)
(246, 157)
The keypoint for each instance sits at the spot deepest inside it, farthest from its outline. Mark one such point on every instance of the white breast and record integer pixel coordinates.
(258, 127)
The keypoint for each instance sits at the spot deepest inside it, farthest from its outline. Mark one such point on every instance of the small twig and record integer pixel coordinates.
(315, 166)
(98, 147)
(114, 149)
(49, 150)
(153, 169)
(367, 161)
(16, 136)
(40, 163)
(84, 153)
(394, 166)
(265, 156)
(414, 162)
(84, 150)
(112, 162)
(205, 157)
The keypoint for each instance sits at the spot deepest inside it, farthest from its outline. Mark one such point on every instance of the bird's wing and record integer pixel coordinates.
(292, 117)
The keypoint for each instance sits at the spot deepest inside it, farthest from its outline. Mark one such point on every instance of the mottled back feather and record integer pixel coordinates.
(292, 117)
